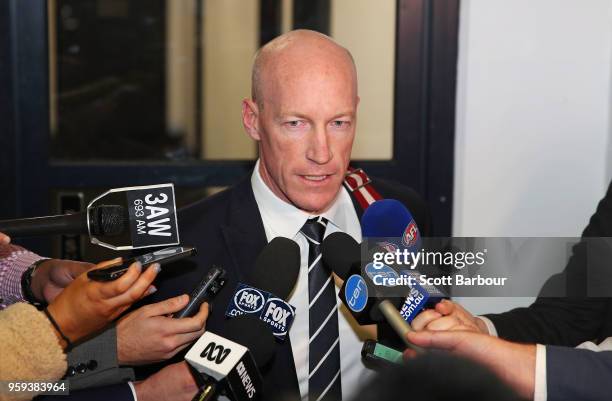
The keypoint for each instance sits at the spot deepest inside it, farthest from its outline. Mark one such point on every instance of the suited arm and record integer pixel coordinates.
(577, 317)
(554, 321)
(94, 362)
(577, 374)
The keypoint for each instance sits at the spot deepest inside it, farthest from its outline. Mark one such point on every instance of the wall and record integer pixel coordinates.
(532, 128)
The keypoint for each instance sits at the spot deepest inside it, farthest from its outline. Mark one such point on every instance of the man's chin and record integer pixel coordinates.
(315, 206)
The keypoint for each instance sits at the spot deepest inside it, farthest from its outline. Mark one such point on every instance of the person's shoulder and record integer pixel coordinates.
(392, 189)
(210, 205)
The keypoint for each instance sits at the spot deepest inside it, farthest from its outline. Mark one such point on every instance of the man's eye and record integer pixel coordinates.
(295, 124)
(340, 124)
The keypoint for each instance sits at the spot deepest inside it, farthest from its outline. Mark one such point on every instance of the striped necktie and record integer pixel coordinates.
(324, 379)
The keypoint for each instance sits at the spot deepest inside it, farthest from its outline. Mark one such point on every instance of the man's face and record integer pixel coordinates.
(306, 129)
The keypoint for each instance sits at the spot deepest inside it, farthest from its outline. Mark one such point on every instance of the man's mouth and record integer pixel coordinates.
(316, 179)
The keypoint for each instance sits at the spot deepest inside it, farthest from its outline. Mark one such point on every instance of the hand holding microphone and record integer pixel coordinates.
(448, 315)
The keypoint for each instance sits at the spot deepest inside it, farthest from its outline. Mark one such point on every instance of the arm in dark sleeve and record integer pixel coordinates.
(578, 374)
(576, 318)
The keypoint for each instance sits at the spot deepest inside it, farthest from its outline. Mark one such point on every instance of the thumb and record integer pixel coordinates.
(75, 268)
(445, 307)
(168, 306)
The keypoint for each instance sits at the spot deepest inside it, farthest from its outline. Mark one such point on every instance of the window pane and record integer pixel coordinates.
(164, 80)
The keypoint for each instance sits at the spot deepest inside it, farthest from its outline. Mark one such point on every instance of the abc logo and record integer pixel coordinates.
(215, 353)
(249, 300)
(411, 234)
(356, 293)
(278, 314)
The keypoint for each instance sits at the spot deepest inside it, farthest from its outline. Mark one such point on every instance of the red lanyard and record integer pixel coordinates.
(359, 184)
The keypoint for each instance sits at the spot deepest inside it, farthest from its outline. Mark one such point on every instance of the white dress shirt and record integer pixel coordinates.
(281, 219)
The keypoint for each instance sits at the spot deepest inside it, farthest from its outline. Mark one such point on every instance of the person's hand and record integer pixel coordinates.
(174, 382)
(53, 275)
(4, 239)
(446, 316)
(86, 306)
(147, 335)
(514, 363)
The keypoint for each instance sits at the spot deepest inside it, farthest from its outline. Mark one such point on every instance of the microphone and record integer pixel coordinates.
(107, 220)
(389, 218)
(272, 280)
(342, 254)
(229, 363)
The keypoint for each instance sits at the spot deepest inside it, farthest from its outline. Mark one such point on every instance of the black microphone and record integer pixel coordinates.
(343, 255)
(103, 220)
(277, 267)
(268, 287)
(230, 363)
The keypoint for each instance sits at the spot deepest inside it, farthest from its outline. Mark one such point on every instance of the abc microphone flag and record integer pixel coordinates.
(230, 362)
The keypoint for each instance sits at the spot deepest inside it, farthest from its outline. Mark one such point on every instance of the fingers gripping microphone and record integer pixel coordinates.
(108, 220)
(229, 363)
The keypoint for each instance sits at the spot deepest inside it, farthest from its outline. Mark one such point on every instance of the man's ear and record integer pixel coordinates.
(250, 118)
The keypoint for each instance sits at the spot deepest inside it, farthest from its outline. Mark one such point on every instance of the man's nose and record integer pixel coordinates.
(318, 147)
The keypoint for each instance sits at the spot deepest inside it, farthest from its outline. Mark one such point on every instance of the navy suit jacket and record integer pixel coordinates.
(228, 231)
(578, 374)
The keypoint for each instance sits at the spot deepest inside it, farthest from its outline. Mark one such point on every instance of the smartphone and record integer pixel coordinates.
(377, 356)
(162, 256)
(212, 282)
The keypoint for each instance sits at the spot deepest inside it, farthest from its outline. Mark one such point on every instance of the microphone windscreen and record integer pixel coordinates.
(390, 219)
(249, 331)
(277, 267)
(385, 218)
(340, 253)
(108, 220)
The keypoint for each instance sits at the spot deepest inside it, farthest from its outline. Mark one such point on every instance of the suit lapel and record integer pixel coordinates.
(356, 204)
(244, 234)
(245, 237)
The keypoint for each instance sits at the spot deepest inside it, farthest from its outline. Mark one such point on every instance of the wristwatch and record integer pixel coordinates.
(26, 285)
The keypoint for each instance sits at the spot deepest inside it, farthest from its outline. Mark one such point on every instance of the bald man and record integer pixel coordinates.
(302, 113)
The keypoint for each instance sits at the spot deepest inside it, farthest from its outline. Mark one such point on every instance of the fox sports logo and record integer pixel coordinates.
(249, 300)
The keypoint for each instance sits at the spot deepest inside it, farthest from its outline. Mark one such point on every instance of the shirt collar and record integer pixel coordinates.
(283, 219)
